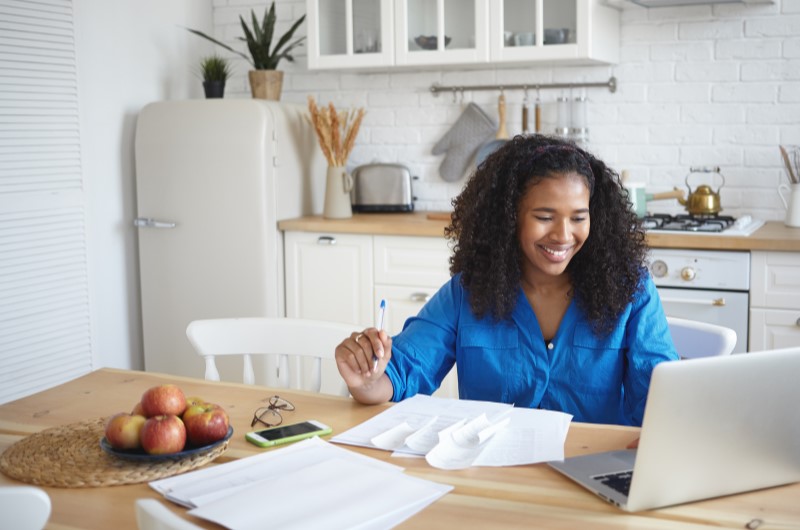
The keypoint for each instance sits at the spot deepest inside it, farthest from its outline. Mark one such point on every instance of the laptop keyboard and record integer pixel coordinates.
(619, 481)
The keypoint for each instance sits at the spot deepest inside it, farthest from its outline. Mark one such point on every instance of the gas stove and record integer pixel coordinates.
(718, 225)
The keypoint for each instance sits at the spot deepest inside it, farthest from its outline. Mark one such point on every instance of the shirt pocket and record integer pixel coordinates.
(488, 357)
(597, 362)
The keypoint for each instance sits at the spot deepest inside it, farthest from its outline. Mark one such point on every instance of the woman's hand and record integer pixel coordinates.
(361, 359)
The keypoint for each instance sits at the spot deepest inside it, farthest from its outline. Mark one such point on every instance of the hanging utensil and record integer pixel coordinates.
(502, 133)
(537, 109)
(525, 112)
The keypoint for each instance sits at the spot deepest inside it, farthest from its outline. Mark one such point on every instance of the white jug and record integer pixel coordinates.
(337, 194)
(792, 204)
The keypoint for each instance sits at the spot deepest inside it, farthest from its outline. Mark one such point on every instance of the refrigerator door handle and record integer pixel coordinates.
(147, 222)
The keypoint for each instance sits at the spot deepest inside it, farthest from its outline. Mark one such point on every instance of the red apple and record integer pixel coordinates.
(123, 431)
(163, 435)
(163, 400)
(205, 424)
(138, 409)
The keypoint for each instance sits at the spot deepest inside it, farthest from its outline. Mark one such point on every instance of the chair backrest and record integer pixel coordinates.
(153, 515)
(700, 339)
(24, 507)
(297, 346)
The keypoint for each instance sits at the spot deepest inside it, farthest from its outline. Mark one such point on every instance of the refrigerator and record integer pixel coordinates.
(213, 178)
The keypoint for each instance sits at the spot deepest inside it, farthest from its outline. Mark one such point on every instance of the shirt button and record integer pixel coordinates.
(549, 345)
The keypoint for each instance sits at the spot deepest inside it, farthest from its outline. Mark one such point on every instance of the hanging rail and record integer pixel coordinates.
(611, 85)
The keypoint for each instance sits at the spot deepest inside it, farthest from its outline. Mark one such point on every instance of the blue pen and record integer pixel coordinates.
(381, 314)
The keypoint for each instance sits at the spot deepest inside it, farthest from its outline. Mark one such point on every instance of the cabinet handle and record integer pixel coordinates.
(326, 240)
(146, 222)
(420, 297)
(716, 302)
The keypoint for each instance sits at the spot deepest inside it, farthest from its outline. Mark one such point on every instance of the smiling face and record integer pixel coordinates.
(553, 224)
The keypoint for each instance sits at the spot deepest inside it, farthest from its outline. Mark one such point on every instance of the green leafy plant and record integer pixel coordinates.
(215, 68)
(259, 41)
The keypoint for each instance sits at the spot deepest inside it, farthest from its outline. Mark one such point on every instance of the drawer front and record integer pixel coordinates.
(411, 261)
(774, 328)
(775, 280)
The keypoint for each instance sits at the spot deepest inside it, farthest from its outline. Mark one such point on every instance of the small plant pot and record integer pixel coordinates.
(266, 84)
(214, 89)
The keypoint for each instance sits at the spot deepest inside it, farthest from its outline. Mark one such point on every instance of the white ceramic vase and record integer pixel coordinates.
(337, 194)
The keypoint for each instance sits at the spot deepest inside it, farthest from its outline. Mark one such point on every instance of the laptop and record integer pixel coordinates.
(712, 426)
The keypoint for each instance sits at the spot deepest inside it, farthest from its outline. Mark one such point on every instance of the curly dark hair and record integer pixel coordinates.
(605, 273)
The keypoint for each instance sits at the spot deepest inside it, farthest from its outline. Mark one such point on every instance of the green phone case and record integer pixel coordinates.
(260, 442)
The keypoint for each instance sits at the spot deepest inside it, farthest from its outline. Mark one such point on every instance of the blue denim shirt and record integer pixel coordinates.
(600, 379)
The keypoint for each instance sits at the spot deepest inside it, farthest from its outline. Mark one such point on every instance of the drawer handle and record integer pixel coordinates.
(326, 240)
(420, 297)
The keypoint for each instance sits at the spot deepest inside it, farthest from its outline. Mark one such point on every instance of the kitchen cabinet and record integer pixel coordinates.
(405, 33)
(440, 32)
(774, 300)
(344, 277)
(329, 277)
(573, 31)
(349, 33)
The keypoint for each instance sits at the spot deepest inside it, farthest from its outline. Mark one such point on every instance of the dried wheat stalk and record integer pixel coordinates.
(336, 131)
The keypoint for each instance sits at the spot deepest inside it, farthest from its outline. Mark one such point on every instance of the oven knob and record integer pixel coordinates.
(658, 269)
(688, 274)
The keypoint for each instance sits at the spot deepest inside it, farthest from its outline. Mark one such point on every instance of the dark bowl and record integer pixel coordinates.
(140, 456)
(430, 42)
(556, 35)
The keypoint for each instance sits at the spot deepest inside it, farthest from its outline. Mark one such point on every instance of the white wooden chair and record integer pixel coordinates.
(297, 348)
(700, 339)
(24, 507)
(153, 515)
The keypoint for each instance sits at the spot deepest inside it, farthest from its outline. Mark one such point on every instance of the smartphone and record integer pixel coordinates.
(283, 434)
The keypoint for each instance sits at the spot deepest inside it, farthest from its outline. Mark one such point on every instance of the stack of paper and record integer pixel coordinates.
(311, 484)
(455, 434)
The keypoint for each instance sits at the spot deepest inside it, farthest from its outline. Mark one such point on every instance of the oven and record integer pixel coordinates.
(704, 285)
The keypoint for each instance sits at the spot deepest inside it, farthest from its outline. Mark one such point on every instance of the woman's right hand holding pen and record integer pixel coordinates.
(361, 359)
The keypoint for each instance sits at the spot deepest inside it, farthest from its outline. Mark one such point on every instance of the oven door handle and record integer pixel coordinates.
(716, 302)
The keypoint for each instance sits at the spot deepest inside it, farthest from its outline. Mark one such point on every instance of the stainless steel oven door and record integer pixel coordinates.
(724, 308)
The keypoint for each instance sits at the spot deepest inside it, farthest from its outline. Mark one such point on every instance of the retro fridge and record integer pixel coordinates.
(213, 178)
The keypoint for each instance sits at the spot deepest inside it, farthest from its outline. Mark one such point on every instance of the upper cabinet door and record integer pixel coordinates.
(349, 33)
(554, 30)
(435, 32)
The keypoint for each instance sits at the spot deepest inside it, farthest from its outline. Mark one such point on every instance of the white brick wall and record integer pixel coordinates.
(698, 85)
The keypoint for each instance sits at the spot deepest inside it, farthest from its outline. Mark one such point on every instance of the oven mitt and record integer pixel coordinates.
(472, 129)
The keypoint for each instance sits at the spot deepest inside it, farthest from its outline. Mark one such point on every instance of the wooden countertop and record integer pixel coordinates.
(774, 235)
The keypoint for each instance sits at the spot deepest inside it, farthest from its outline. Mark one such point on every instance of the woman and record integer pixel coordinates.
(550, 304)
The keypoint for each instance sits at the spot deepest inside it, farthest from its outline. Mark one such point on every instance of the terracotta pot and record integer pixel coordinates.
(266, 84)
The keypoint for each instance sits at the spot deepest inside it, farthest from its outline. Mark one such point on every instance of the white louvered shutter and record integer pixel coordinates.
(44, 292)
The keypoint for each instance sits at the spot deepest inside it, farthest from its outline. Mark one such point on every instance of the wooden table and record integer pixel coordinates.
(532, 496)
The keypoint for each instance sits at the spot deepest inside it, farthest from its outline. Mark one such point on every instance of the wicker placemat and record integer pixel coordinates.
(70, 456)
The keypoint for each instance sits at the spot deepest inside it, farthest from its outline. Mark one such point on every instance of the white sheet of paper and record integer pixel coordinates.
(332, 494)
(417, 411)
(530, 436)
(208, 484)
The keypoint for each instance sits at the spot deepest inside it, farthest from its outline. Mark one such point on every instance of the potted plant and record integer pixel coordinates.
(266, 80)
(215, 71)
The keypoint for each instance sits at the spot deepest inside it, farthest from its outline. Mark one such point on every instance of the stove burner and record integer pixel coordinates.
(688, 223)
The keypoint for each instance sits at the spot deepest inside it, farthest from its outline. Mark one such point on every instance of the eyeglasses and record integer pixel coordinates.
(270, 415)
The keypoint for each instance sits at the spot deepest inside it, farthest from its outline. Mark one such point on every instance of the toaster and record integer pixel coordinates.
(382, 188)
